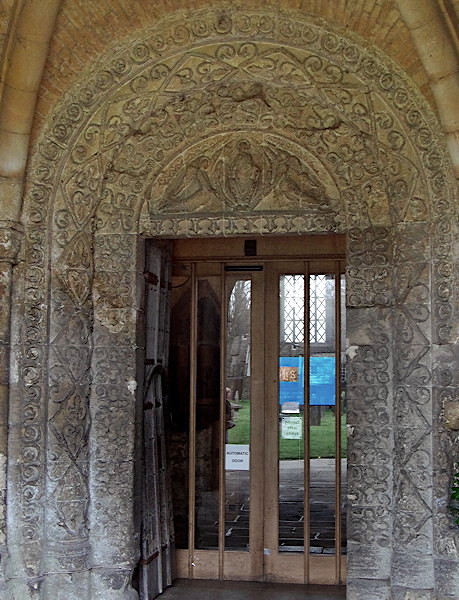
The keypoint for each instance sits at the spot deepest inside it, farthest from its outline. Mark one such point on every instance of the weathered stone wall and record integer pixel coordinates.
(150, 142)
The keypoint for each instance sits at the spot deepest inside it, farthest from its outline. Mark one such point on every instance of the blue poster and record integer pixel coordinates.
(321, 380)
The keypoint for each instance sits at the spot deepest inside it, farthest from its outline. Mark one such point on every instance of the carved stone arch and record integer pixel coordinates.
(288, 126)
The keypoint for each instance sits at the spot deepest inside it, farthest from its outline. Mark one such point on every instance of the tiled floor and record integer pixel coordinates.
(291, 525)
(235, 590)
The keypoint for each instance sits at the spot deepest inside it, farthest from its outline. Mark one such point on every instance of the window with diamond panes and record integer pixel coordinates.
(318, 309)
(292, 300)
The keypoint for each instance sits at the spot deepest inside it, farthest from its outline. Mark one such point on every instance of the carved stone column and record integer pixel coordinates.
(114, 526)
(412, 540)
(10, 241)
(445, 393)
(371, 413)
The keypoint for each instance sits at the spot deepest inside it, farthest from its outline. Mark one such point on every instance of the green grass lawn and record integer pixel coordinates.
(322, 441)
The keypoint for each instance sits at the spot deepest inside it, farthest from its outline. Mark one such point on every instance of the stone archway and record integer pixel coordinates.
(334, 139)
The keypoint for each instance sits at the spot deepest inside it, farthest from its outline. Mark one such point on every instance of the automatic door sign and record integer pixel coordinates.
(292, 428)
(237, 457)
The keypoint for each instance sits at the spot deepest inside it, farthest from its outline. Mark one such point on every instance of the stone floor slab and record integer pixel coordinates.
(237, 590)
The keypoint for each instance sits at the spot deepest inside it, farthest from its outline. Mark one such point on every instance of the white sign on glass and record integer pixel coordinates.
(292, 428)
(237, 457)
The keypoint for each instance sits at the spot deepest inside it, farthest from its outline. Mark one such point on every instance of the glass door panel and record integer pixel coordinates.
(238, 414)
(207, 431)
(291, 412)
(322, 414)
(309, 426)
(178, 409)
(256, 420)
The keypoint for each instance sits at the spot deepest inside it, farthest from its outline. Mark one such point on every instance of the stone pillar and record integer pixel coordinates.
(10, 239)
(445, 393)
(370, 413)
(66, 545)
(412, 543)
(115, 432)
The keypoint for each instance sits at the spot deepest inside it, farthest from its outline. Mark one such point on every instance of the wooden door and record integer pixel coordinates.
(157, 534)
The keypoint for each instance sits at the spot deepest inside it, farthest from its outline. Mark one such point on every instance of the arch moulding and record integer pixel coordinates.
(231, 123)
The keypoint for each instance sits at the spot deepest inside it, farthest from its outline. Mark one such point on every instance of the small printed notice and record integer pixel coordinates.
(237, 457)
(292, 428)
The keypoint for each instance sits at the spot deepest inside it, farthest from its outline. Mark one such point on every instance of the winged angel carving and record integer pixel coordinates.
(241, 175)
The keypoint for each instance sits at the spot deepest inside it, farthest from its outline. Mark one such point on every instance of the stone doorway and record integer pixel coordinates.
(249, 123)
(221, 512)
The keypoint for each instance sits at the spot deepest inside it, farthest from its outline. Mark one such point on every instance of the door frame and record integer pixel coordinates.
(203, 564)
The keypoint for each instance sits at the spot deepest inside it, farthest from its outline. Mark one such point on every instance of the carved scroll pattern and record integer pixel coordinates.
(370, 453)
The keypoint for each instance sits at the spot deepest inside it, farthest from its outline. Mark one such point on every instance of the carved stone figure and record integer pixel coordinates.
(236, 174)
(299, 185)
(190, 189)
